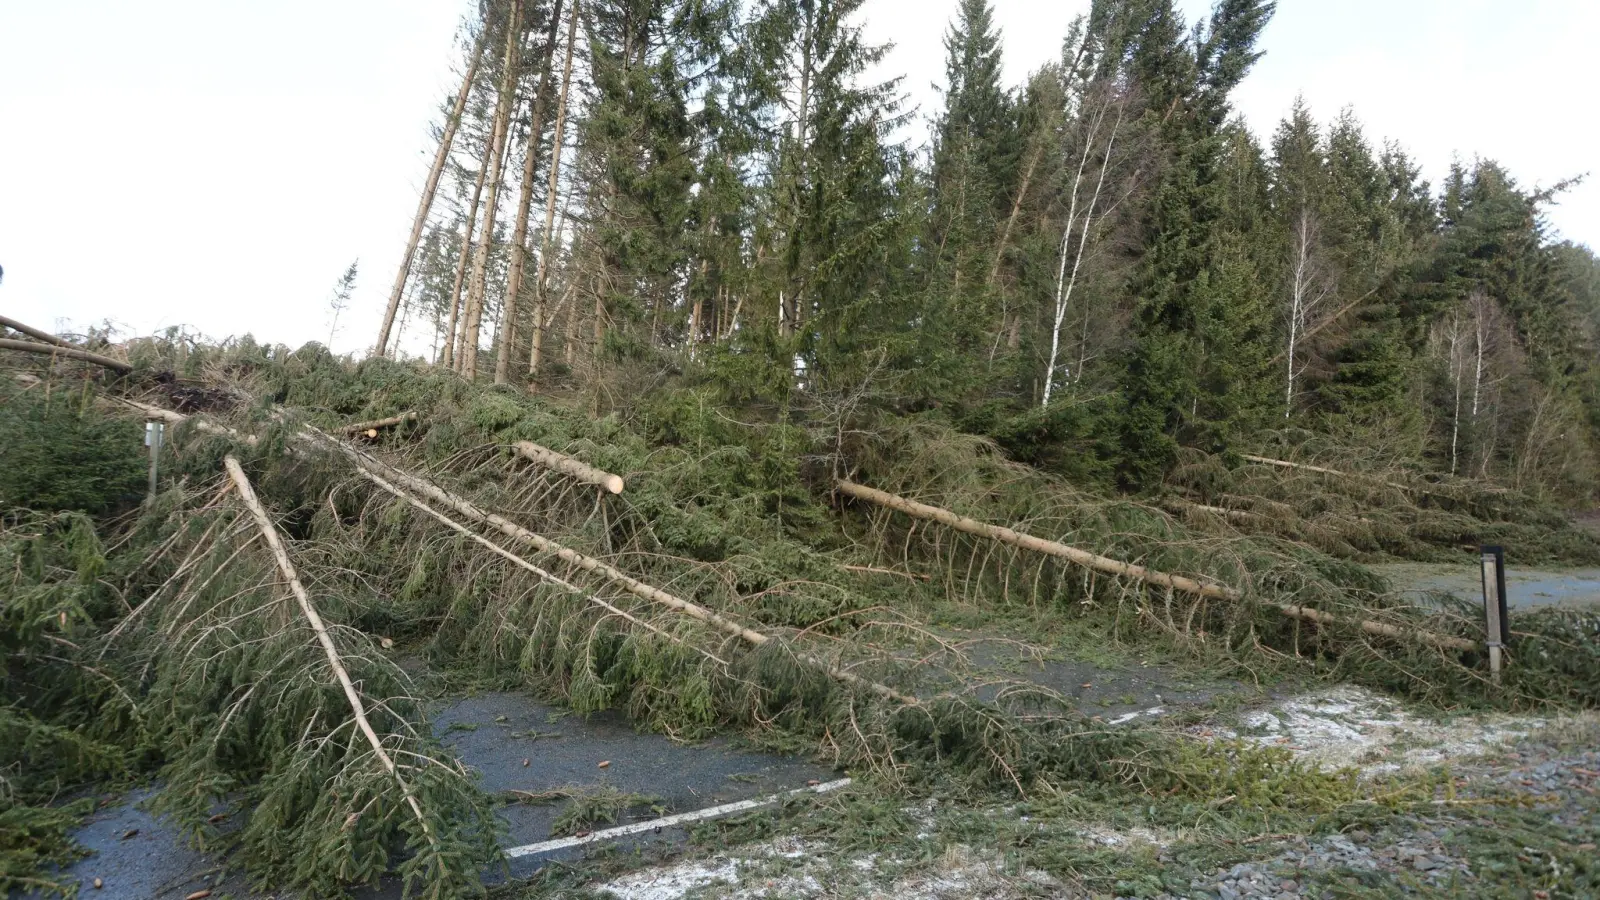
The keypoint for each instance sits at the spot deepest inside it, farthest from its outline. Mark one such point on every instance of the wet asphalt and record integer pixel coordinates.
(138, 857)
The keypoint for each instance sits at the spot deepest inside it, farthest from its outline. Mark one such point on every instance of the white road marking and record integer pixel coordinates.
(699, 815)
(1129, 717)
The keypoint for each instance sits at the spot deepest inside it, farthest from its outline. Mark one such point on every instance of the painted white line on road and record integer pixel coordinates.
(699, 815)
(1129, 717)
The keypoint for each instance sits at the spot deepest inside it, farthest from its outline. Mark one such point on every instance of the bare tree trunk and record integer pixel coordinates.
(384, 475)
(1297, 294)
(1121, 569)
(67, 351)
(446, 139)
(572, 468)
(450, 343)
(519, 240)
(480, 263)
(1456, 375)
(1016, 207)
(1065, 286)
(536, 353)
(694, 314)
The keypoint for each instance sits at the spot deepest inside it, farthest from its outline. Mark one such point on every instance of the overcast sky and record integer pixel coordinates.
(218, 163)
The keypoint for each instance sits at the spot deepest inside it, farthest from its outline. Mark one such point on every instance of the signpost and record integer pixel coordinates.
(1493, 559)
(154, 432)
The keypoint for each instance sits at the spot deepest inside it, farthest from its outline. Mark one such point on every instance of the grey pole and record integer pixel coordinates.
(153, 434)
(1494, 606)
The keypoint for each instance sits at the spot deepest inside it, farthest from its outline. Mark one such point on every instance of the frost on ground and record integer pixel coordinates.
(1336, 728)
(1349, 726)
(793, 868)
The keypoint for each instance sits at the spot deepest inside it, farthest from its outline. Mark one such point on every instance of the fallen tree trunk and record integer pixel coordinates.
(1127, 570)
(1180, 505)
(36, 334)
(626, 582)
(61, 348)
(359, 427)
(1305, 467)
(270, 533)
(522, 563)
(566, 465)
(1027, 541)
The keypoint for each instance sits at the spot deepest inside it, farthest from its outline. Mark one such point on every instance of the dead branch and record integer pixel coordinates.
(67, 350)
(566, 465)
(285, 566)
(874, 570)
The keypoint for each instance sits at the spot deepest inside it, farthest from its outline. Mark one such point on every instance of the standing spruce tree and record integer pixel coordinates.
(648, 59)
(826, 197)
(1181, 382)
(973, 179)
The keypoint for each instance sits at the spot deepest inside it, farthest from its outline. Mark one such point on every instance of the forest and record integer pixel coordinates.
(1101, 268)
(715, 394)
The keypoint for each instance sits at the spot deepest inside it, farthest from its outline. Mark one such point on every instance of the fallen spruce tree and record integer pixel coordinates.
(706, 518)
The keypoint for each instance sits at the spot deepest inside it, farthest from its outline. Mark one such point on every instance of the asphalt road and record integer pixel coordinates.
(493, 733)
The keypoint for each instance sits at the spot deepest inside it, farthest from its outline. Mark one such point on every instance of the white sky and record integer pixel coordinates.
(218, 163)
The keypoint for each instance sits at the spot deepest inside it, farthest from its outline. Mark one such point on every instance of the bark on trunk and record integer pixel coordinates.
(524, 564)
(270, 533)
(391, 421)
(536, 351)
(428, 191)
(68, 351)
(480, 262)
(1127, 570)
(566, 465)
(519, 239)
(450, 354)
(589, 563)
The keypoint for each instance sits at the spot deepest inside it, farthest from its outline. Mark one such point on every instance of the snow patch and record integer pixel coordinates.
(1350, 726)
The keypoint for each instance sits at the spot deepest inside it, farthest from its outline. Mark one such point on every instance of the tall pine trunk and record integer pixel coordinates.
(425, 204)
(536, 353)
(519, 248)
(478, 286)
(451, 337)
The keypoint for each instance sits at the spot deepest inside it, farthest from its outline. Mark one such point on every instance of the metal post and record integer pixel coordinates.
(1493, 560)
(153, 434)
